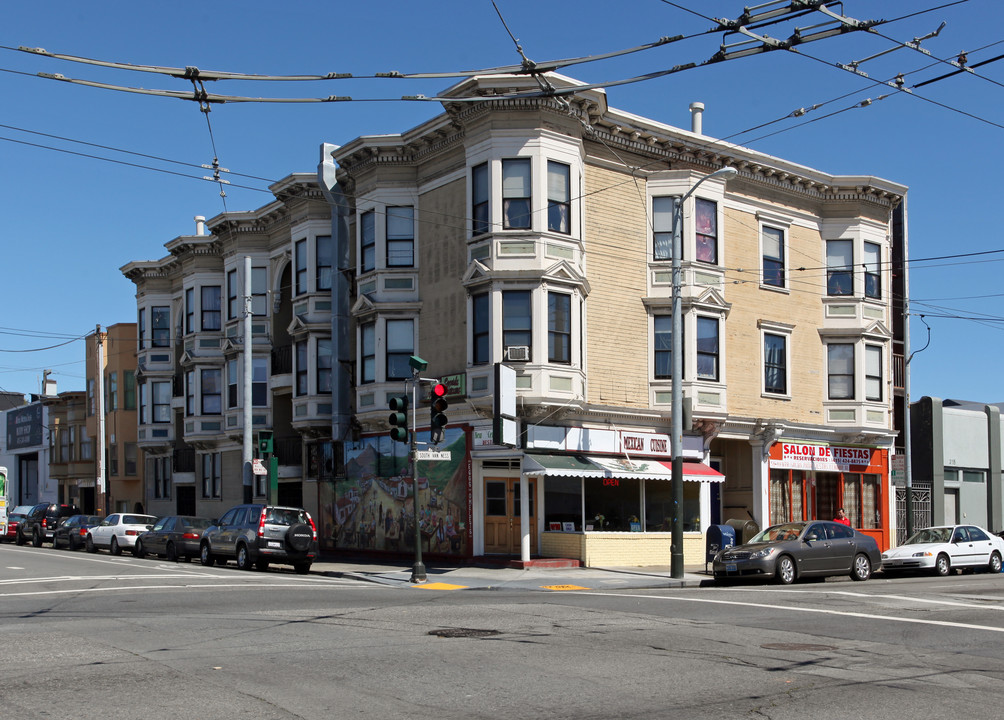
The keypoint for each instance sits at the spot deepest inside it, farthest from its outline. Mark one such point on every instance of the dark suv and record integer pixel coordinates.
(41, 521)
(256, 535)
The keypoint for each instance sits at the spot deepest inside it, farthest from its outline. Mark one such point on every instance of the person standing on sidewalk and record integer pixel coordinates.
(842, 518)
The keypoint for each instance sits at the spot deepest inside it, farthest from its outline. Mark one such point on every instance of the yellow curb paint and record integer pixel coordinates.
(564, 587)
(440, 586)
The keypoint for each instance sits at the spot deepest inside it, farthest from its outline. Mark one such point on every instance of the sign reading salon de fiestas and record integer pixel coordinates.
(825, 458)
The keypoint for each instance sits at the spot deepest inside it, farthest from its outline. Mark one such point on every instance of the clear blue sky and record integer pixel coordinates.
(68, 222)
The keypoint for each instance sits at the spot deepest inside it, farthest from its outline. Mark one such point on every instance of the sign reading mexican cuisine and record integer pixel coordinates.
(827, 458)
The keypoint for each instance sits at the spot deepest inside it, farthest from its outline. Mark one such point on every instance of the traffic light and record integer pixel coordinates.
(265, 442)
(398, 419)
(438, 420)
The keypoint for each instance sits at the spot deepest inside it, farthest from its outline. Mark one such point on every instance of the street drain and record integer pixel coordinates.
(463, 633)
(796, 646)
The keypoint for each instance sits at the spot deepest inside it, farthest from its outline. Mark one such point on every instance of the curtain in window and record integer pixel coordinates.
(558, 202)
(516, 193)
(852, 498)
(662, 228)
(775, 379)
(706, 227)
(839, 264)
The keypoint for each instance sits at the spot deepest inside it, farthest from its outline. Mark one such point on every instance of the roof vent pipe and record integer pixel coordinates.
(200, 225)
(696, 116)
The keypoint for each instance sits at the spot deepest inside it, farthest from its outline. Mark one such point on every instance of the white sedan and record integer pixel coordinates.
(118, 531)
(942, 548)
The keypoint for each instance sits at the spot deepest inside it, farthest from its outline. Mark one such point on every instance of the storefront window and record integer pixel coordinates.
(612, 503)
(861, 500)
(563, 501)
(659, 506)
(787, 496)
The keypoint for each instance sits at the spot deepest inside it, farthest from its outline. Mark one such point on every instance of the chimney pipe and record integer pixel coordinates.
(200, 224)
(697, 112)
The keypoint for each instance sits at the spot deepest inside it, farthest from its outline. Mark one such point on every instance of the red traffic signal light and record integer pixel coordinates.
(437, 421)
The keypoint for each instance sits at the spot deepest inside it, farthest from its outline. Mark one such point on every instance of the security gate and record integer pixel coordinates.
(921, 509)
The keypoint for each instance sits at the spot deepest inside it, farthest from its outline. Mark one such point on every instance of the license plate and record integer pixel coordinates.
(274, 544)
(731, 567)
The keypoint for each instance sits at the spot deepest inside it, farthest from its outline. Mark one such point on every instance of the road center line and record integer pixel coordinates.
(819, 611)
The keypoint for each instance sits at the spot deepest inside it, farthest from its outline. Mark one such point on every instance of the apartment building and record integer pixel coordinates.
(189, 342)
(534, 232)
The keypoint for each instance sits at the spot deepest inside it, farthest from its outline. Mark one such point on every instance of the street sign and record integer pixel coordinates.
(433, 455)
(258, 467)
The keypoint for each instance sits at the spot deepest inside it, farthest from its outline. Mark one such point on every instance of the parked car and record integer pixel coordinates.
(256, 535)
(939, 549)
(801, 549)
(117, 532)
(14, 518)
(41, 521)
(72, 531)
(175, 537)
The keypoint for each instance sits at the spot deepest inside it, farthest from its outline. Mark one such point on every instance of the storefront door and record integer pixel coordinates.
(502, 516)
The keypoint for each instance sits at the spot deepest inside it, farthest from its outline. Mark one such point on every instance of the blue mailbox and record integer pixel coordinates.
(719, 537)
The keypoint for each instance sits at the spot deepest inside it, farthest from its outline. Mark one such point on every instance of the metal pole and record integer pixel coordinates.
(247, 452)
(418, 570)
(676, 434)
(907, 450)
(100, 470)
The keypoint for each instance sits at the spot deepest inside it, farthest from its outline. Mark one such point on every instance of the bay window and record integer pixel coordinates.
(873, 271)
(840, 371)
(480, 194)
(516, 194)
(662, 228)
(839, 267)
(706, 230)
(873, 372)
(367, 241)
(558, 197)
(367, 351)
(160, 326)
(559, 328)
(517, 322)
(481, 328)
(211, 308)
(707, 348)
(400, 348)
(324, 252)
(212, 391)
(400, 236)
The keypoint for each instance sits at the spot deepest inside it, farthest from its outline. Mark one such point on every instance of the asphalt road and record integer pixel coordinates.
(93, 636)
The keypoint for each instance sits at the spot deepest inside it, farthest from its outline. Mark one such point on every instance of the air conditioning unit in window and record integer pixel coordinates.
(517, 353)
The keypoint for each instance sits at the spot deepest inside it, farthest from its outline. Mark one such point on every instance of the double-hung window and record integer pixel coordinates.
(189, 310)
(259, 382)
(301, 368)
(300, 266)
(323, 365)
(367, 359)
(707, 348)
(517, 322)
(663, 345)
(129, 380)
(324, 252)
(233, 306)
(516, 194)
(161, 392)
(873, 270)
(212, 474)
(840, 371)
(212, 391)
(481, 328)
(400, 348)
(211, 315)
(839, 267)
(873, 372)
(773, 256)
(141, 328)
(662, 228)
(775, 364)
(400, 236)
(559, 204)
(113, 392)
(160, 326)
(233, 379)
(367, 241)
(189, 393)
(706, 231)
(559, 328)
(259, 291)
(480, 194)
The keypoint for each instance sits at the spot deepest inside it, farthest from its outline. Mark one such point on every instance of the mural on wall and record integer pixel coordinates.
(371, 507)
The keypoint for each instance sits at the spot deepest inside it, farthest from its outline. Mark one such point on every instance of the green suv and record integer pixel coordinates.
(257, 535)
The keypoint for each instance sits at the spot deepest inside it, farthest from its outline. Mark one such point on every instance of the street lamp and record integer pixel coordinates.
(676, 438)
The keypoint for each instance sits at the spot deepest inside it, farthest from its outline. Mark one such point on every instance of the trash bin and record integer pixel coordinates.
(719, 537)
(745, 529)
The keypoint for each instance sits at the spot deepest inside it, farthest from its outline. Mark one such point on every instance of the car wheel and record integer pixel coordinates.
(261, 564)
(995, 563)
(785, 571)
(299, 537)
(55, 545)
(114, 548)
(942, 566)
(301, 568)
(243, 557)
(19, 538)
(862, 569)
(172, 554)
(36, 539)
(137, 549)
(206, 557)
(89, 545)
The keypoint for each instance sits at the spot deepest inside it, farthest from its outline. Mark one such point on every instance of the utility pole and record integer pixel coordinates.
(99, 480)
(248, 444)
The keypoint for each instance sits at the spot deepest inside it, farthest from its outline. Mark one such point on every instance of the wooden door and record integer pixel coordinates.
(502, 516)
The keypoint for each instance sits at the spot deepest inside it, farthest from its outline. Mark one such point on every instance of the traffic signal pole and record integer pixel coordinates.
(418, 569)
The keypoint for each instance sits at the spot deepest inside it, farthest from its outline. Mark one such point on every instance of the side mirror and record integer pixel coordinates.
(811, 536)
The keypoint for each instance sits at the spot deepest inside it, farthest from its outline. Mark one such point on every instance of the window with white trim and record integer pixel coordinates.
(259, 291)
(161, 392)
(212, 391)
(481, 339)
(233, 304)
(480, 196)
(367, 352)
(400, 348)
(517, 322)
(189, 310)
(559, 328)
(707, 348)
(160, 323)
(775, 364)
(706, 231)
(840, 371)
(302, 375)
(517, 194)
(873, 270)
(663, 346)
(559, 200)
(772, 240)
(211, 308)
(839, 267)
(873, 372)
(367, 241)
(300, 267)
(400, 236)
(212, 475)
(662, 228)
(324, 254)
(324, 356)
(259, 382)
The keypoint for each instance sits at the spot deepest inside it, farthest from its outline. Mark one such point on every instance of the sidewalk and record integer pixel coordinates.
(474, 577)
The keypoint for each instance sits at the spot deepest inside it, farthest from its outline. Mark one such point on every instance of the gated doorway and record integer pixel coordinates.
(921, 509)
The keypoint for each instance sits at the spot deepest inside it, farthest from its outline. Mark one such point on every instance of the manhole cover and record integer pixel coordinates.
(463, 633)
(796, 646)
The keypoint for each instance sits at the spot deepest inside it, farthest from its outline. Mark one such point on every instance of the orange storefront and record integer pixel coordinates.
(810, 481)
